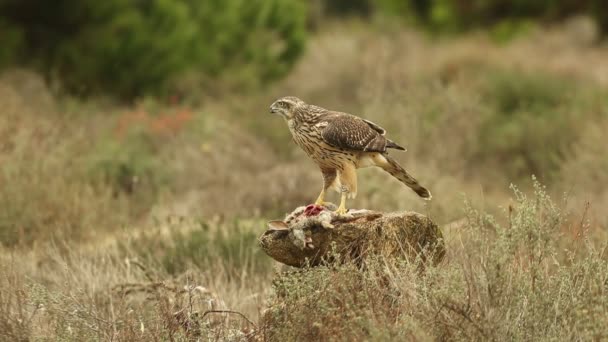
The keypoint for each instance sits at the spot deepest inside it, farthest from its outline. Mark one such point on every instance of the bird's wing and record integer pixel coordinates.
(376, 128)
(352, 133)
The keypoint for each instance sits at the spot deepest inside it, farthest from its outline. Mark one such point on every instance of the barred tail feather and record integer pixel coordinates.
(391, 166)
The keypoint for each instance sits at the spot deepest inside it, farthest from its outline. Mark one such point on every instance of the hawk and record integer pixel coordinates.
(340, 143)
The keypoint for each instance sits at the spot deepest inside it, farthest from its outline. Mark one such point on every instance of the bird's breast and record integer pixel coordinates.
(310, 140)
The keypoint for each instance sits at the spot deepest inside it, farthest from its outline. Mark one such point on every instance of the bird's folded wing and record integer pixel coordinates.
(352, 133)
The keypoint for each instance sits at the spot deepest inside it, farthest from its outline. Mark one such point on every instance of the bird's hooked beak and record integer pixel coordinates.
(274, 109)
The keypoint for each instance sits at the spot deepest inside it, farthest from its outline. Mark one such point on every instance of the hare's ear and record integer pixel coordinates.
(277, 225)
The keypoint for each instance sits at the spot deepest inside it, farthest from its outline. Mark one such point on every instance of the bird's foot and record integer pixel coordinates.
(341, 211)
(323, 204)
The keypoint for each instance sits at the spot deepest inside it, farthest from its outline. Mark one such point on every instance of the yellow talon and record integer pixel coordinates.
(321, 199)
(324, 204)
(341, 211)
(342, 208)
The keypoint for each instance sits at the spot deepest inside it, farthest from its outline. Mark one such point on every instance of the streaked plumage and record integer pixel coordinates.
(339, 143)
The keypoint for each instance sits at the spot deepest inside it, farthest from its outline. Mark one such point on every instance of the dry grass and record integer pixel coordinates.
(501, 281)
(147, 286)
(129, 223)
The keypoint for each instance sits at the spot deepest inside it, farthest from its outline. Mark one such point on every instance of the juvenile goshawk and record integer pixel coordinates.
(339, 143)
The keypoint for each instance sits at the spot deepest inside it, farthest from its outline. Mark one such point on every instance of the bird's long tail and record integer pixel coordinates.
(391, 166)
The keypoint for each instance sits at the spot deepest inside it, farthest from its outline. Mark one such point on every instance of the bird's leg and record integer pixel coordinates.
(329, 176)
(321, 199)
(342, 208)
(348, 186)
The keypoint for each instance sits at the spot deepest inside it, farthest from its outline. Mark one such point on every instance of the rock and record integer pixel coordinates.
(312, 235)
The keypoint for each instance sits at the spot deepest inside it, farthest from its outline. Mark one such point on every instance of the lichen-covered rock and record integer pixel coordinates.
(312, 235)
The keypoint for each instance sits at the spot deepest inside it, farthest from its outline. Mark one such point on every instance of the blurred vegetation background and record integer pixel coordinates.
(136, 147)
(132, 48)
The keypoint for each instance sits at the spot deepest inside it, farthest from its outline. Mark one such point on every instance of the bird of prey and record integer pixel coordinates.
(339, 143)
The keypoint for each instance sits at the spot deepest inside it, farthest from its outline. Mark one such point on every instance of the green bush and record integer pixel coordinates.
(503, 18)
(269, 35)
(11, 43)
(131, 48)
(530, 122)
(346, 7)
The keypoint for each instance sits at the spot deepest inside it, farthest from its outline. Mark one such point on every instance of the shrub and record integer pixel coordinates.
(230, 248)
(130, 165)
(505, 278)
(11, 40)
(528, 125)
(132, 48)
(268, 35)
(43, 194)
(503, 18)
(64, 177)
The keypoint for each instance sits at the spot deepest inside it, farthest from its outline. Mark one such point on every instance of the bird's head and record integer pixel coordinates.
(286, 106)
